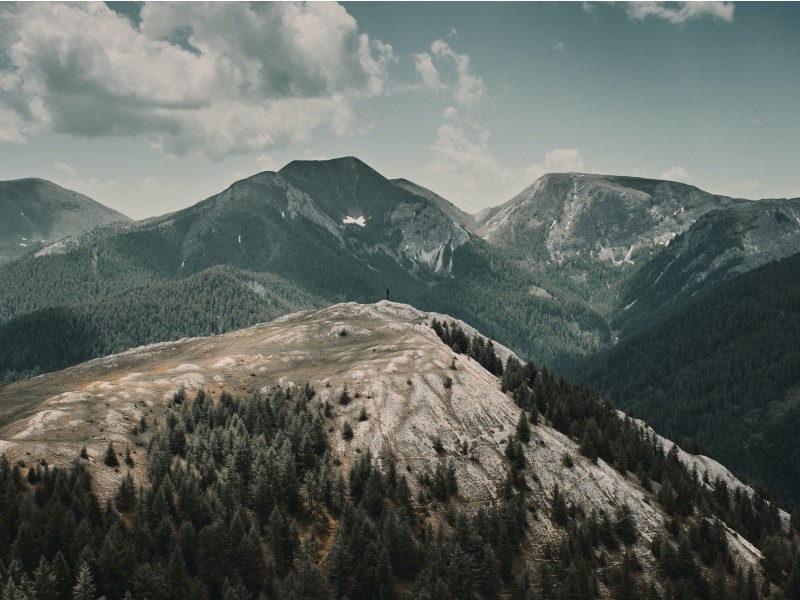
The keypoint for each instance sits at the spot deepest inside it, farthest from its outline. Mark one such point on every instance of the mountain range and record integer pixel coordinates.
(570, 272)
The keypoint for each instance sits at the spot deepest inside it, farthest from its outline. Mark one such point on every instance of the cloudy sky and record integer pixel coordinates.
(152, 107)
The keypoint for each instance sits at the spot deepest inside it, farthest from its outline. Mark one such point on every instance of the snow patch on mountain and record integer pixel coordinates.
(354, 221)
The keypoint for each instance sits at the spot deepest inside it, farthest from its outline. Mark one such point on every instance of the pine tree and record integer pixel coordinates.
(560, 514)
(344, 396)
(347, 431)
(25, 546)
(523, 429)
(84, 584)
(110, 457)
(128, 457)
(125, 498)
(44, 581)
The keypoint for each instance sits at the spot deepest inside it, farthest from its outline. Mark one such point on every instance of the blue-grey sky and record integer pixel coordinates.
(152, 107)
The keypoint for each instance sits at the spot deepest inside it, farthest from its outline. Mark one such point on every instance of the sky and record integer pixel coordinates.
(152, 107)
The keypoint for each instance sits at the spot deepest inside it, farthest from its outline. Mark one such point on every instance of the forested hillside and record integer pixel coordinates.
(568, 267)
(244, 501)
(724, 370)
(35, 212)
(214, 301)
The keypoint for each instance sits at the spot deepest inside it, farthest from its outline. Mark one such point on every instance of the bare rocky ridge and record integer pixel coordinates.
(393, 366)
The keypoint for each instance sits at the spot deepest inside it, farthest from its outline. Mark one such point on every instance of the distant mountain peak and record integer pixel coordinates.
(36, 211)
(342, 164)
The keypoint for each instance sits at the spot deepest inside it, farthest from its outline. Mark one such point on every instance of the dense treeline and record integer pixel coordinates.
(129, 288)
(239, 504)
(476, 347)
(721, 371)
(215, 301)
(224, 515)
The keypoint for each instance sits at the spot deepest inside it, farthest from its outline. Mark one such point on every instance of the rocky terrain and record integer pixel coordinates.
(415, 391)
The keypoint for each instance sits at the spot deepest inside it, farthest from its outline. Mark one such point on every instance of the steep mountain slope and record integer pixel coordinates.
(586, 235)
(413, 408)
(567, 215)
(721, 245)
(344, 199)
(465, 219)
(725, 369)
(35, 212)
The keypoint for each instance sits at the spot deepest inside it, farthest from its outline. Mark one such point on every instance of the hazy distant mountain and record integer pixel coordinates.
(600, 216)
(35, 212)
(634, 248)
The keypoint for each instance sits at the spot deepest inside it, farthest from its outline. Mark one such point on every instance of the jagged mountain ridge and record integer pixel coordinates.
(634, 249)
(35, 212)
(394, 367)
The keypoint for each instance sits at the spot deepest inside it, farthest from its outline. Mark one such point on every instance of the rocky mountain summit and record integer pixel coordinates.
(605, 217)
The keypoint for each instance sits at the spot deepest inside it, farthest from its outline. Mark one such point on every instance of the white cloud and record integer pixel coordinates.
(213, 79)
(467, 88)
(462, 159)
(743, 189)
(423, 63)
(559, 46)
(65, 168)
(453, 33)
(151, 185)
(12, 128)
(675, 173)
(588, 7)
(678, 13)
(265, 163)
(560, 160)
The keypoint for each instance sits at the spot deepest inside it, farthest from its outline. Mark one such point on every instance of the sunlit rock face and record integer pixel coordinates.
(604, 217)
